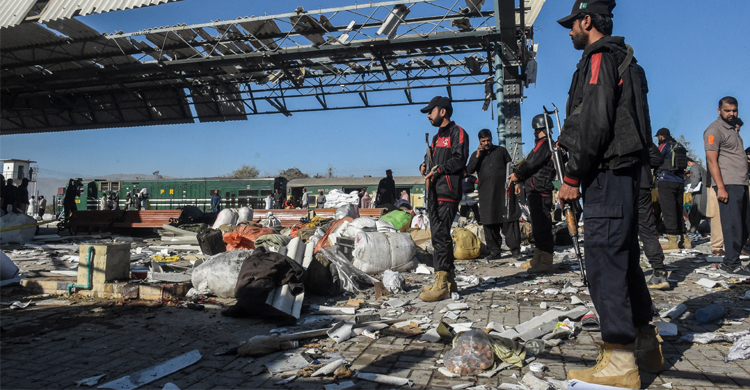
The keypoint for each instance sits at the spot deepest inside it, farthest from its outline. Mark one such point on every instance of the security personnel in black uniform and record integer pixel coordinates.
(538, 171)
(606, 135)
(449, 152)
(647, 223)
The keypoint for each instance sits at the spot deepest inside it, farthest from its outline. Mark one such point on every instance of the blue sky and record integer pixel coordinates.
(693, 52)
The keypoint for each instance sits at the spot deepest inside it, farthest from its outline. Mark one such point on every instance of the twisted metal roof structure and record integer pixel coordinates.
(66, 76)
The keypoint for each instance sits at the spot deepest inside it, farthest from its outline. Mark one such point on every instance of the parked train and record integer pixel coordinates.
(169, 194)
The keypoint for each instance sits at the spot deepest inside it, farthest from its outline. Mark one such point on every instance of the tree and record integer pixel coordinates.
(690, 152)
(293, 173)
(245, 172)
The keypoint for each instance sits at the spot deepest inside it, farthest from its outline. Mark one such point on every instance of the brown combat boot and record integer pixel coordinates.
(648, 353)
(685, 242)
(658, 281)
(672, 245)
(451, 280)
(439, 291)
(615, 366)
(534, 260)
(544, 266)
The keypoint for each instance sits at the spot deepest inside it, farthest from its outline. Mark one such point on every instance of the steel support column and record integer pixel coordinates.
(499, 92)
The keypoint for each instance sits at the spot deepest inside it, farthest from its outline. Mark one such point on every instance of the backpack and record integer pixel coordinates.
(679, 157)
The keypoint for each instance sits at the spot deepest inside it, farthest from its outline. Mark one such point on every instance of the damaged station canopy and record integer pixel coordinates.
(59, 74)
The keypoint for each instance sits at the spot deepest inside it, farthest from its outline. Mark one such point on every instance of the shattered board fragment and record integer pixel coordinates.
(385, 379)
(410, 330)
(91, 381)
(151, 374)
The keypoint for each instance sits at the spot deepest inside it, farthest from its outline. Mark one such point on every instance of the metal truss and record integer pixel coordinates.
(374, 55)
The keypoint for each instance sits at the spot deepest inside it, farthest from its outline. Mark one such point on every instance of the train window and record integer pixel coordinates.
(105, 186)
(266, 192)
(247, 192)
(115, 186)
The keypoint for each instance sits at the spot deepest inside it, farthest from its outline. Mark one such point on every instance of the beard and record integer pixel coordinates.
(730, 120)
(580, 41)
(437, 121)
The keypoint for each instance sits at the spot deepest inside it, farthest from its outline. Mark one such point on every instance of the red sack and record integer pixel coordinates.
(244, 236)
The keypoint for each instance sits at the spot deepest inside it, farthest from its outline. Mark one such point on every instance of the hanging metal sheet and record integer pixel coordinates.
(13, 12)
(66, 9)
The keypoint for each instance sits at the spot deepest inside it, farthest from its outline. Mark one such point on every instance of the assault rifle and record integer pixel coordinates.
(570, 216)
(508, 172)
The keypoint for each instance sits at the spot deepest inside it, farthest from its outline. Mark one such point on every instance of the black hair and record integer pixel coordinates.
(728, 100)
(602, 23)
(485, 133)
(448, 111)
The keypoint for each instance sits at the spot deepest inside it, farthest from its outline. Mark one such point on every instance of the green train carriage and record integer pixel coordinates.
(170, 194)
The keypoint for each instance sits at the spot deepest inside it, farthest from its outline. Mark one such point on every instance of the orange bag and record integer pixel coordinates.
(244, 236)
(323, 243)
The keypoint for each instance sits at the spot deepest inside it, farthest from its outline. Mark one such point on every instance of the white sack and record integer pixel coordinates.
(219, 273)
(8, 269)
(366, 224)
(376, 252)
(19, 235)
(347, 210)
(226, 217)
(244, 214)
(385, 226)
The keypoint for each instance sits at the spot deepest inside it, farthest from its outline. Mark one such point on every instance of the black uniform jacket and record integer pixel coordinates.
(654, 161)
(450, 150)
(537, 171)
(612, 128)
(490, 169)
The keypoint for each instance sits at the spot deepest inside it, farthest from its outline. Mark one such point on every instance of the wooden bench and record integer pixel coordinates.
(288, 217)
(108, 219)
(329, 213)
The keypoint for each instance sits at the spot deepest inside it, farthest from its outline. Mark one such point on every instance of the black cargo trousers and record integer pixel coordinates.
(671, 197)
(647, 231)
(735, 222)
(441, 214)
(540, 206)
(616, 282)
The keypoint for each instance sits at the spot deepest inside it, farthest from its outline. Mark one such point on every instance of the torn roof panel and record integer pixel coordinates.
(13, 12)
(66, 9)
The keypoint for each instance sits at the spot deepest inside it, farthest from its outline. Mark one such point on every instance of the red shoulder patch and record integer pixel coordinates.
(538, 145)
(596, 63)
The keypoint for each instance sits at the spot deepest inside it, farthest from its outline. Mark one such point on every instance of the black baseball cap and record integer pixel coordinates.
(438, 101)
(602, 7)
(663, 132)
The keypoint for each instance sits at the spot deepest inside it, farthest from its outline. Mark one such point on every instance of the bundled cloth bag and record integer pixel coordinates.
(218, 275)
(244, 237)
(401, 220)
(259, 275)
(375, 252)
(226, 217)
(272, 240)
(466, 245)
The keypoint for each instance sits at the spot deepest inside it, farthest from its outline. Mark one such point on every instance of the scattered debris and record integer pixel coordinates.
(385, 379)
(90, 381)
(151, 374)
(740, 350)
(666, 329)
